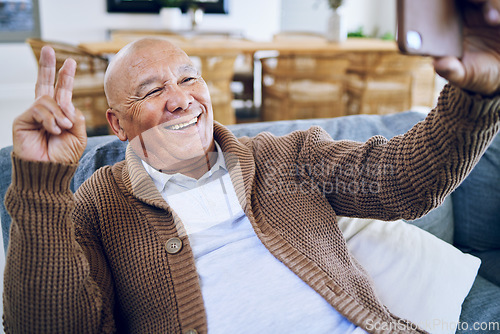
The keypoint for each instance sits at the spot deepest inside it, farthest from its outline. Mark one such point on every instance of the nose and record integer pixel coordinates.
(178, 99)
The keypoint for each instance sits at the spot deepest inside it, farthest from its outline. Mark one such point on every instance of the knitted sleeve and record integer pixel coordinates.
(409, 175)
(48, 284)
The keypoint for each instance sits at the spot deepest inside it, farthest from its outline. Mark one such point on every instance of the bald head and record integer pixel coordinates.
(160, 103)
(128, 61)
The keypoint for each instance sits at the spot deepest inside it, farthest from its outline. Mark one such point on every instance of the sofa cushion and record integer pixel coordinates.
(490, 264)
(100, 151)
(481, 309)
(355, 127)
(439, 221)
(477, 212)
(416, 275)
(5, 179)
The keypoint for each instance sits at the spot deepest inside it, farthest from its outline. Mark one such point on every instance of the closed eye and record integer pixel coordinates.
(188, 79)
(156, 90)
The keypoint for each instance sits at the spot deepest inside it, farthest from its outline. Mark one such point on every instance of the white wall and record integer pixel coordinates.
(88, 20)
(374, 16)
(17, 79)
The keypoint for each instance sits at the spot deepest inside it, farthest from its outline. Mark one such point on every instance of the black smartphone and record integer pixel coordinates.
(429, 28)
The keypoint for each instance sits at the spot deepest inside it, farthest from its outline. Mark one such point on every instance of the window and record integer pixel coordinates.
(19, 20)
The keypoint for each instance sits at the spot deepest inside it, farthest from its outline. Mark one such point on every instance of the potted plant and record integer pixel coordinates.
(334, 4)
(336, 30)
(170, 13)
(194, 11)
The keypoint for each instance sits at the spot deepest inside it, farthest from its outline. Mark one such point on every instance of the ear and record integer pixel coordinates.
(114, 122)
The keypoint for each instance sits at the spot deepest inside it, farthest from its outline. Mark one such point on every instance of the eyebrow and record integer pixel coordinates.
(146, 83)
(188, 68)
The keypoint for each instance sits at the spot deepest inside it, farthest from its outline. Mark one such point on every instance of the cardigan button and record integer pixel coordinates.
(173, 245)
(191, 331)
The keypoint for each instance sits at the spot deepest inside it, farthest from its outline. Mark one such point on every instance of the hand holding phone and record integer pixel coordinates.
(468, 58)
(429, 28)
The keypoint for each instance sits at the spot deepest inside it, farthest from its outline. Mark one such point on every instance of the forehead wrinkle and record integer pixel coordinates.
(146, 82)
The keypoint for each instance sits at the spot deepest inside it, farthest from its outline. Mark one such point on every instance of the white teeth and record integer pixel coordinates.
(182, 125)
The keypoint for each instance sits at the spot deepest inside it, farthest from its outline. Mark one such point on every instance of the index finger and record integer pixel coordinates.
(46, 72)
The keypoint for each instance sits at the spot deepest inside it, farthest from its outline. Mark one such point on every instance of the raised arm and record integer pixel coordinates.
(411, 174)
(49, 284)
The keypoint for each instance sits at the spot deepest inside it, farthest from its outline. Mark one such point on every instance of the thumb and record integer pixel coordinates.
(79, 130)
(451, 69)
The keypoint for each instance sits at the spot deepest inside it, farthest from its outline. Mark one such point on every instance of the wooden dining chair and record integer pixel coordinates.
(217, 70)
(88, 92)
(303, 86)
(241, 83)
(424, 91)
(381, 83)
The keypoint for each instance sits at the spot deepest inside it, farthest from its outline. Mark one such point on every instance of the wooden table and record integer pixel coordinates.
(202, 46)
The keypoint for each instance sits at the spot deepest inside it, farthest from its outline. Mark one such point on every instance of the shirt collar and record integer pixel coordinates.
(161, 179)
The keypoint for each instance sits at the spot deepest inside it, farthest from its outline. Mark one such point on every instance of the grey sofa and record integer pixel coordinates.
(469, 218)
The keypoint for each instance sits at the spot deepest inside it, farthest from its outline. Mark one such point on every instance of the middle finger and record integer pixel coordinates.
(64, 87)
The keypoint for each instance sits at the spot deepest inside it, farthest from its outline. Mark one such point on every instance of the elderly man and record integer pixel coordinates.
(192, 232)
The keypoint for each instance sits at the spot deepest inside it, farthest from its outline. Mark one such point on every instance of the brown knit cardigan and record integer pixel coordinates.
(95, 262)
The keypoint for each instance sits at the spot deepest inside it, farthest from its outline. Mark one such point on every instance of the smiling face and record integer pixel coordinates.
(159, 102)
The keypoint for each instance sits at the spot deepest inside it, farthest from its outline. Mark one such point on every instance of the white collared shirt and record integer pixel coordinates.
(200, 203)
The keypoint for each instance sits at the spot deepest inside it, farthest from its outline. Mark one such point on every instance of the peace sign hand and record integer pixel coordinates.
(52, 129)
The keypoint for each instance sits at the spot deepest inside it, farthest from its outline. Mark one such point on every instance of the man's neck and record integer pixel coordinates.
(196, 167)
